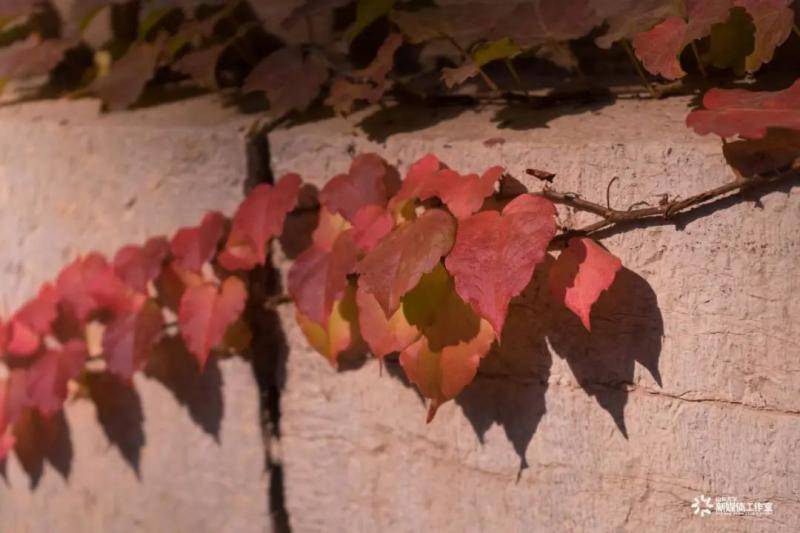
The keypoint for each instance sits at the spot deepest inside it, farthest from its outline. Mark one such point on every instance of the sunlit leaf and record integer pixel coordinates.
(494, 254)
(398, 262)
(749, 114)
(206, 312)
(582, 271)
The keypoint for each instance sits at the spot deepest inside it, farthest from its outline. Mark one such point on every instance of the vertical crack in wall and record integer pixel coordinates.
(268, 348)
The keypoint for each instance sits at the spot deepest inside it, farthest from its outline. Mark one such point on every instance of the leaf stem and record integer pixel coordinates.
(796, 29)
(465, 56)
(700, 64)
(639, 70)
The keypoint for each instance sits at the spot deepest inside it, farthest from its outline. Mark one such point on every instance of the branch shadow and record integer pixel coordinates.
(199, 391)
(119, 412)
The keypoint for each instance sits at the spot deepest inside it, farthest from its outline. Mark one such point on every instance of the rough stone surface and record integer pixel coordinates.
(181, 453)
(687, 385)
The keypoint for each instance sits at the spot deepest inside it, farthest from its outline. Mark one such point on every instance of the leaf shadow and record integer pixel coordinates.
(119, 412)
(41, 440)
(405, 118)
(199, 391)
(537, 112)
(627, 328)
(512, 380)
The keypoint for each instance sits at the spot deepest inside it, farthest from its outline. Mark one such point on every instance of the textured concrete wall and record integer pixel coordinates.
(687, 385)
(179, 453)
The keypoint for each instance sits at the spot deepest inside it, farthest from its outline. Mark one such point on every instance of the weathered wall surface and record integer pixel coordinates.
(688, 383)
(180, 453)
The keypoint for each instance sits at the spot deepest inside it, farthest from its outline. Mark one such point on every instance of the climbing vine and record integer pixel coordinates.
(424, 266)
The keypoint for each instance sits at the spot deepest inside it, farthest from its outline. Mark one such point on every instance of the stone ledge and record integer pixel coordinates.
(687, 384)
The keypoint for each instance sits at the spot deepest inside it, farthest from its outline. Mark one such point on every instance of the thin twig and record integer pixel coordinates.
(608, 191)
(796, 29)
(665, 211)
(700, 64)
(639, 70)
(465, 56)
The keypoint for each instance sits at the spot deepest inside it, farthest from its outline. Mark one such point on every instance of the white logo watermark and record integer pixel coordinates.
(704, 506)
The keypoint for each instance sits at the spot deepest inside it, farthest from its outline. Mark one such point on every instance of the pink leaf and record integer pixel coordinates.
(259, 218)
(206, 312)
(494, 255)
(364, 184)
(47, 377)
(139, 265)
(398, 262)
(89, 284)
(193, 246)
(318, 277)
(730, 112)
(582, 271)
(371, 223)
(129, 338)
(463, 195)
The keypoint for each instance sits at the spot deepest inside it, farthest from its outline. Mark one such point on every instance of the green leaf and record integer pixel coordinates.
(367, 12)
(490, 51)
(732, 41)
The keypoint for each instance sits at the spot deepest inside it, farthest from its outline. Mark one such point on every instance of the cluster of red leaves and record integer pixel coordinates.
(427, 267)
(419, 266)
(114, 311)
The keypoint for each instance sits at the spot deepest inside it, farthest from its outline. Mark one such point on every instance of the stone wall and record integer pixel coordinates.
(686, 386)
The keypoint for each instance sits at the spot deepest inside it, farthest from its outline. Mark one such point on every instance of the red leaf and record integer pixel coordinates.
(128, 76)
(193, 246)
(582, 271)
(31, 322)
(463, 195)
(730, 112)
(398, 262)
(206, 312)
(259, 218)
(365, 184)
(6, 435)
(139, 265)
(290, 80)
(773, 20)
(339, 333)
(659, 48)
(380, 67)
(32, 57)
(626, 18)
(129, 337)
(370, 82)
(318, 277)
(89, 284)
(47, 377)
(442, 375)
(383, 334)
(494, 255)
(371, 223)
(201, 65)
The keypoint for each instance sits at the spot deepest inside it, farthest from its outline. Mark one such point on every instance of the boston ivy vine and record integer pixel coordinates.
(424, 266)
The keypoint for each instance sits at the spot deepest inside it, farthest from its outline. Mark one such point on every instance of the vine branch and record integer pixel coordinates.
(665, 210)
